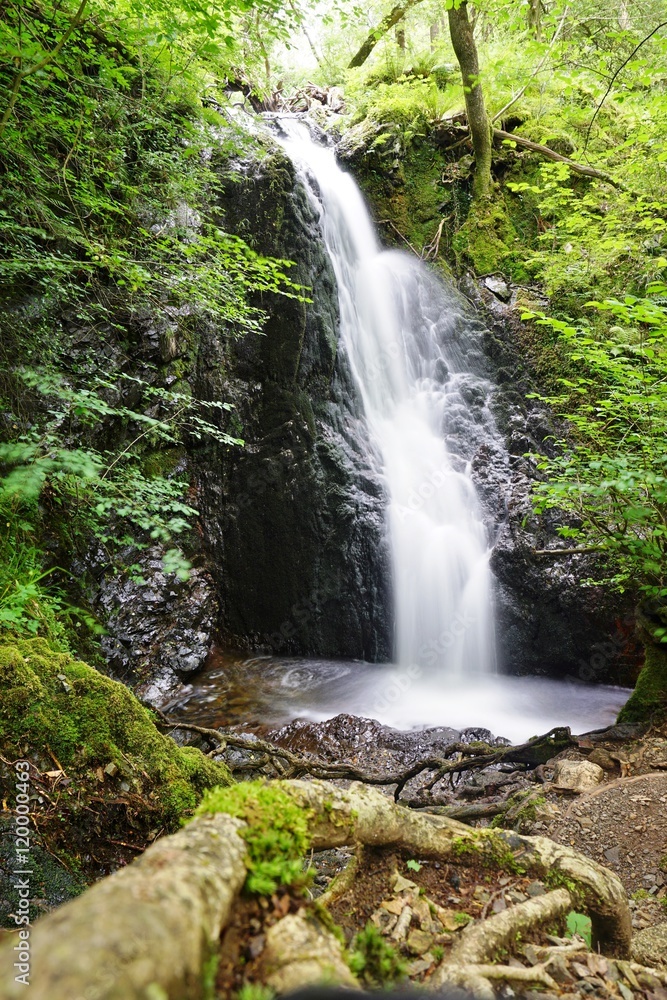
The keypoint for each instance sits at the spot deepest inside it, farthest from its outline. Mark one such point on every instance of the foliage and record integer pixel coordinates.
(373, 959)
(579, 923)
(110, 227)
(108, 492)
(277, 832)
(255, 991)
(57, 707)
(610, 480)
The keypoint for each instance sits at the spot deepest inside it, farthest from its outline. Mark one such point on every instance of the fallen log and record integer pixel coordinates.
(551, 154)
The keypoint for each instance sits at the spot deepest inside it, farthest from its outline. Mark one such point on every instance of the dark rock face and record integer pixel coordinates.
(159, 630)
(547, 623)
(294, 521)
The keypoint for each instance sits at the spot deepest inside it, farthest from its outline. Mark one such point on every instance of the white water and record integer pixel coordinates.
(413, 376)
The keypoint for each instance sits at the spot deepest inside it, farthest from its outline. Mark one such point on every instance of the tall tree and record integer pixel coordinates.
(465, 49)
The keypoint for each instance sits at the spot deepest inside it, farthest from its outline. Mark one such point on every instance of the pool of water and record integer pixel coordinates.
(271, 691)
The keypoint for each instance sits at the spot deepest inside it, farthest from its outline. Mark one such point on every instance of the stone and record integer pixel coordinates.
(420, 965)
(394, 906)
(649, 946)
(419, 942)
(299, 951)
(576, 776)
(613, 855)
(603, 759)
(401, 883)
(536, 889)
(499, 288)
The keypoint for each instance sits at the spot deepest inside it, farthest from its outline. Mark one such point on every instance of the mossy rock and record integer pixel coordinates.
(487, 239)
(649, 698)
(55, 707)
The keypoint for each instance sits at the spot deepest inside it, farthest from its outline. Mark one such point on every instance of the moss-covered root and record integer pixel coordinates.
(649, 698)
(146, 931)
(364, 815)
(53, 706)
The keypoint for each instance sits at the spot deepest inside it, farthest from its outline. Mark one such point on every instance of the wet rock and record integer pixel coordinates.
(546, 622)
(159, 627)
(576, 776)
(295, 521)
(499, 287)
(364, 742)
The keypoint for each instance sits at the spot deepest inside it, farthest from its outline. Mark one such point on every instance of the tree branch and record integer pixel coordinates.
(551, 154)
(395, 15)
(49, 57)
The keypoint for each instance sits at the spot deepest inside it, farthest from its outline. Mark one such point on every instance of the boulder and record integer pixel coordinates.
(576, 776)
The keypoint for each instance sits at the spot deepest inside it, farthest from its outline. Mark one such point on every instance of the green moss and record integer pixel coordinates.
(61, 708)
(555, 879)
(649, 697)
(490, 847)
(277, 832)
(373, 960)
(487, 239)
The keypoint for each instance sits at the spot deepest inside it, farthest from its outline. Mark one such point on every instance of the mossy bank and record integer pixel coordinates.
(103, 780)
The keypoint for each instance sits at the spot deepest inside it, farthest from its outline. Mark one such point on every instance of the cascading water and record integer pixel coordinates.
(422, 400)
(420, 373)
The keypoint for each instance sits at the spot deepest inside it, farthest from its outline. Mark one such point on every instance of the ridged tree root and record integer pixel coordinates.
(146, 931)
(468, 962)
(363, 815)
(149, 930)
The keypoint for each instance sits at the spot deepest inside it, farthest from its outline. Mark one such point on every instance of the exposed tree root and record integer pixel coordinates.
(364, 815)
(470, 756)
(152, 926)
(479, 943)
(476, 977)
(147, 930)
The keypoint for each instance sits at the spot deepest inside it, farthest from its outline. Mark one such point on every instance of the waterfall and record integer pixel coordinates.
(425, 401)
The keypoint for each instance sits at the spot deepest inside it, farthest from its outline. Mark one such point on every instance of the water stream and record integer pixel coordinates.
(424, 405)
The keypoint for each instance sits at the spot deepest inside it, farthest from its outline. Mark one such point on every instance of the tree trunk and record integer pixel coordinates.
(434, 34)
(395, 15)
(400, 38)
(478, 121)
(535, 12)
